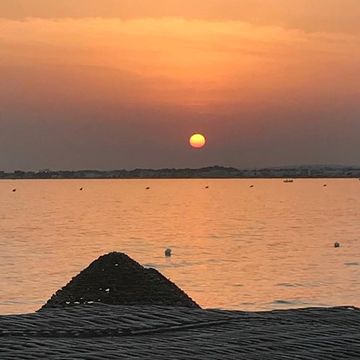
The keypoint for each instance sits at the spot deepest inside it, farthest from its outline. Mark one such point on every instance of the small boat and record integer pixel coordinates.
(288, 181)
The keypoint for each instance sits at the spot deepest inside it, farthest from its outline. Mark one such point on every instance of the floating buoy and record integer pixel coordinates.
(147, 188)
(251, 186)
(168, 252)
(81, 189)
(325, 185)
(206, 187)
(337, 245)
(13, 190)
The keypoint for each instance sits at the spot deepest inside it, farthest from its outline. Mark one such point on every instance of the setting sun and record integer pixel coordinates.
(197, 141)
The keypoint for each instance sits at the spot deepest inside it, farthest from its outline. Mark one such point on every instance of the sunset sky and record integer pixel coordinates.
(111, 84)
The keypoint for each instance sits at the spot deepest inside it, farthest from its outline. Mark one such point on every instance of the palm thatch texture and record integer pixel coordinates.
(116, 279)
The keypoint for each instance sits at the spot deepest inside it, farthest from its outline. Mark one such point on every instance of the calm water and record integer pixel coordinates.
(236, 247)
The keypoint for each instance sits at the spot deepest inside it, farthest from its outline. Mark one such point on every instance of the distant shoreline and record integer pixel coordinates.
(186, 178)
(213, 172)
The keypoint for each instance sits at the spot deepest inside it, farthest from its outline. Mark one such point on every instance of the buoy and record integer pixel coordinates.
(81, 189)
(168, 252)
(325, 185)
(337, 245)
(148, 188)
(206, 187)
(251, 186)
(13, 190)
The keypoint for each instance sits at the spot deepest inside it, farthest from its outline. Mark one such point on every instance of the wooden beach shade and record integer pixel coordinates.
(117, 279)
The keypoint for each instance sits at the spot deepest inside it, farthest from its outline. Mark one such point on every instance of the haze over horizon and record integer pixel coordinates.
(117, 84)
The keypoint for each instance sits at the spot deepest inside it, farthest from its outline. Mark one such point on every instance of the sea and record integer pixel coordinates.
(248, 245)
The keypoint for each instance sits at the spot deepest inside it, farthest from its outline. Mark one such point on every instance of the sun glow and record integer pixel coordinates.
(197, 141)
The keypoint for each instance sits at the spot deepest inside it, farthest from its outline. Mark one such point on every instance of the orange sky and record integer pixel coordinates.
(103, 69)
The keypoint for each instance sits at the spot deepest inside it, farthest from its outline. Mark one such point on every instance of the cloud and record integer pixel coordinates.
(309, 15)
(165, 60)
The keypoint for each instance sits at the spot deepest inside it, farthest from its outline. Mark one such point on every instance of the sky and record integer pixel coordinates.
(111, 84)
